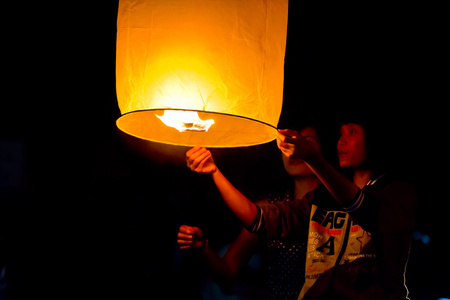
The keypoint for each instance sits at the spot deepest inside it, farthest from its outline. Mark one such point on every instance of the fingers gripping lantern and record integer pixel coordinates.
(203, 72)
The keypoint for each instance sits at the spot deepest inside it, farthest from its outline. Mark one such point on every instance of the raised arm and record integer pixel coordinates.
(294, 145)
(200, 160)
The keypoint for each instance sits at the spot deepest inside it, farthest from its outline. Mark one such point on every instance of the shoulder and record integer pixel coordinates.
(392, 189)
(274, 198)
(389, 182)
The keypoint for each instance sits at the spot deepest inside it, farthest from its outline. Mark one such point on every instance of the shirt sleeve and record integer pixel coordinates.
(258, 223)
(283, 219)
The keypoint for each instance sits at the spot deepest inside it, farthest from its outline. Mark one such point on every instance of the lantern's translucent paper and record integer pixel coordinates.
(221, 58)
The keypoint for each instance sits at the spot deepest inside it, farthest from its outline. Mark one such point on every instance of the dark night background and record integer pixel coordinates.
(85, 214)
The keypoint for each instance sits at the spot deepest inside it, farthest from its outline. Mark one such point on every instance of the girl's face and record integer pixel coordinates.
(297, 167)
(351, 146)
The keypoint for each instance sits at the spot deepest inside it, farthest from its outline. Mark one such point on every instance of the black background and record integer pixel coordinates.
(87, 211)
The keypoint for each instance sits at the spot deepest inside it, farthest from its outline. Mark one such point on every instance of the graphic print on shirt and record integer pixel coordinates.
(325, 239)
(332, 237)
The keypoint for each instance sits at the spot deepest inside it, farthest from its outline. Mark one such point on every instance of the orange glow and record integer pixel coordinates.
(223, 59)
(183, 120)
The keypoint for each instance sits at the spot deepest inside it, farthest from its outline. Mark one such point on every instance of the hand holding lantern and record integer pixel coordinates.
(293, 145)
(200, 160)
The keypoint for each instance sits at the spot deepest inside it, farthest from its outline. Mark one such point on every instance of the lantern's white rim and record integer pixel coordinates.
(202, 111)
(242, 132)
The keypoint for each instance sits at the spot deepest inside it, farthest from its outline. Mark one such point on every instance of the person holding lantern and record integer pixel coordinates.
(286, 254)
(359, 241)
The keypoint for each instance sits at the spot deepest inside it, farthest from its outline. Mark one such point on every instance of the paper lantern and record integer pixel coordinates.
(205, 72)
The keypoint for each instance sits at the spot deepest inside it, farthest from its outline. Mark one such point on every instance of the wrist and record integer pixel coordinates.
(205, 244)
(214, 172)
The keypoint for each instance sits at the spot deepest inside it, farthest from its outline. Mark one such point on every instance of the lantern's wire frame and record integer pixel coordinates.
(203, 111)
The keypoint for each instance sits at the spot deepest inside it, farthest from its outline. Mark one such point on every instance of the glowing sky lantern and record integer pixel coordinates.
(207, 73)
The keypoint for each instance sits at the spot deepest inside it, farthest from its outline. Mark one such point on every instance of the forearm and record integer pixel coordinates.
(217, 265)
(342, 189)
(243, 208)
(237, 255)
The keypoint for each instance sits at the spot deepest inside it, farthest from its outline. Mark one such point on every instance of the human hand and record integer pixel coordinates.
(293, 145)
(200, 160)
(190, 237)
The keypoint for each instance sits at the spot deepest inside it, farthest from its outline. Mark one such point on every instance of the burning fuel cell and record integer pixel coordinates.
(183, 120)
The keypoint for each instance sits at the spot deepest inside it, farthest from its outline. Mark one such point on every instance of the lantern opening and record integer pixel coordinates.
(226, 131)
(184, 120)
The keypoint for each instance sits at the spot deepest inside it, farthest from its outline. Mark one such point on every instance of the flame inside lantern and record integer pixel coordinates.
(184, 120)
